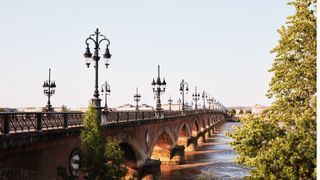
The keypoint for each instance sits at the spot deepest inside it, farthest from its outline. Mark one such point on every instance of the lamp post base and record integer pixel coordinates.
(48, 108)
(96, 103)
(159, 114)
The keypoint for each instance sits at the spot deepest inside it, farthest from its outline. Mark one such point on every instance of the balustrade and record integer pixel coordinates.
(42, 121)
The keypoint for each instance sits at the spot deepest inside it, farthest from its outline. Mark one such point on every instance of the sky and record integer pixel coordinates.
(222, 47)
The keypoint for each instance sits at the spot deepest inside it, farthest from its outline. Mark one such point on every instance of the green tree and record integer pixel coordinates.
(281, 142)
(102, 157)
(233, 111)
(2, 110)
(241, 111)
(249, 112)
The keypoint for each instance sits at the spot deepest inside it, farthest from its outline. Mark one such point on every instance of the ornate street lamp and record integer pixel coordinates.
(105, 88)
(179, 102)
(183, 88)
(158, 88)
(210, 101)
(49, 90)
(170, 103)
(214, 104)
(204, 97)
(196, 97)
(137, 98)
(97, 39)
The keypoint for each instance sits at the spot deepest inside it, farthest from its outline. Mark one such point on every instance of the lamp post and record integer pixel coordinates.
(196, 97)
(106, 90)
(210, 101)
(214, 103)
(137, 98)
(204, 97)
(183, 88)
(49, 90)
(170, 103)
(179, 102)
(158, 88)
(97, 39)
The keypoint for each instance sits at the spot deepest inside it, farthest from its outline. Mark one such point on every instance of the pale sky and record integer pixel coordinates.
(222, 47)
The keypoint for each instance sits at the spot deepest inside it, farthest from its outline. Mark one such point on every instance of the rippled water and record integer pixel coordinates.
(215, 157)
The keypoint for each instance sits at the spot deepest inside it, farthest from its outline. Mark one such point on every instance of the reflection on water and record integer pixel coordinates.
(215, 156)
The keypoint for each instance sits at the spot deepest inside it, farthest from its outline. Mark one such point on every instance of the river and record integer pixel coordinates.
(213, 158)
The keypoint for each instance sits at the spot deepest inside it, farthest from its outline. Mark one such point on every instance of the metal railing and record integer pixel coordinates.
(21, 122)
(39, 121)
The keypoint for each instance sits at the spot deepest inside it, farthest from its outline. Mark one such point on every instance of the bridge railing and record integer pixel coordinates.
(38, 121)
(19, 122)
(119, 116)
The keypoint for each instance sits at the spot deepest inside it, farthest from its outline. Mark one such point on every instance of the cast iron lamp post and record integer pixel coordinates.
(183, 88)
(179, 102)
(137, 98)
(196, 97)
(170, 103)
(49, 90)
(158, 88)
(215, 104)
(204, 97)
(210, 101)
(97, 39)
(106, 90)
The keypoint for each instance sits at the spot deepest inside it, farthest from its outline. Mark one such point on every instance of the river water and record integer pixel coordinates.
(212, 159)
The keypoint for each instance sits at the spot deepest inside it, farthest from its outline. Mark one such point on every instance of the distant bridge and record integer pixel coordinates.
(43, 141)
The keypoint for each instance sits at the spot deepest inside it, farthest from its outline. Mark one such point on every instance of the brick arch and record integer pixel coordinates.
(187, 127)
(158, 133)
(183, 134)
(203, 122)
(161, 145)
(129, 154)
(136, 145)
(195, 128)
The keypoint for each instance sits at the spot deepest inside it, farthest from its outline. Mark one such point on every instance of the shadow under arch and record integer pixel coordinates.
(130, 158)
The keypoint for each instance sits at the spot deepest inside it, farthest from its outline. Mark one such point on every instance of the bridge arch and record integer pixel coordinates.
(203, 124)
(183, 134)
(195, 128)
(130, 141)
(161, 146)
(130, 158)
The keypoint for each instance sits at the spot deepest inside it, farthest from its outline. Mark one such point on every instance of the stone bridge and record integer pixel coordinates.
(42, 142)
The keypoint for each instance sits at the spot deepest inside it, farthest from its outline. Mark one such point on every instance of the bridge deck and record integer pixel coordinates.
(23, 128)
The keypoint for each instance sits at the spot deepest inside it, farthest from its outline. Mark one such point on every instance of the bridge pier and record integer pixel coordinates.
(192, 144)
(150, 170)
(208, 132)
(212, 129)
(177, 154)
(202, 136)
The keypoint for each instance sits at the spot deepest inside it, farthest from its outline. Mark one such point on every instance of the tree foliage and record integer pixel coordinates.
(102, 157)
(281, 142)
